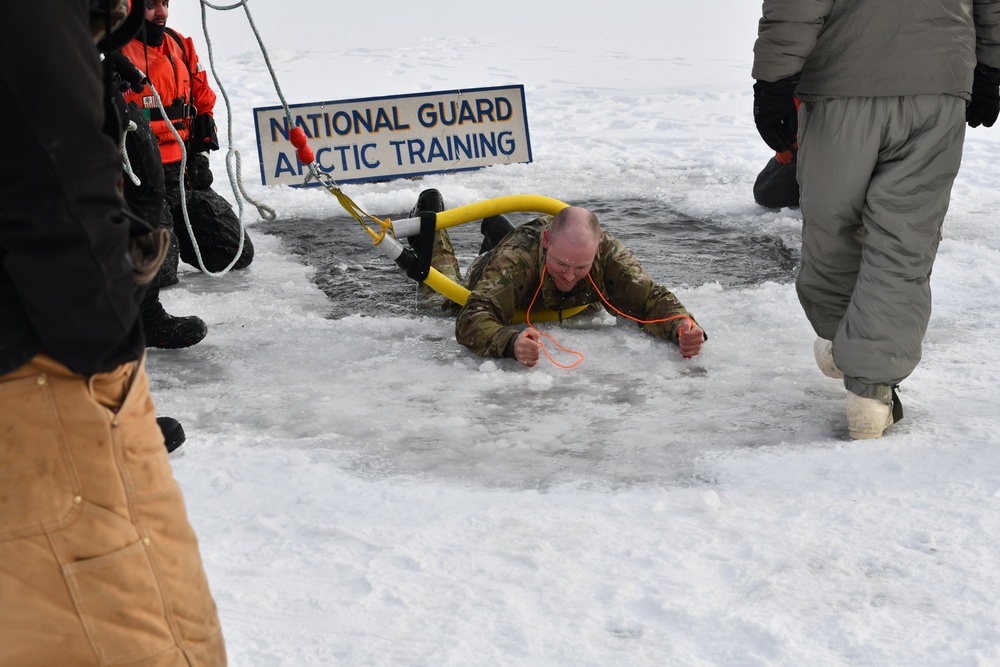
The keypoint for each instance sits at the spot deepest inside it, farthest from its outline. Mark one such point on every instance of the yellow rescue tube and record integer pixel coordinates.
(485, 209)
(491, 207)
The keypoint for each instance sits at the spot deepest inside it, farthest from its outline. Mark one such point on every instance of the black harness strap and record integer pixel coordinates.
(180, 43)
(418, 264)
(176, 111)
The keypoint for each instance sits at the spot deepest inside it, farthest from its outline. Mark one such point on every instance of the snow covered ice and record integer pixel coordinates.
(366, 492)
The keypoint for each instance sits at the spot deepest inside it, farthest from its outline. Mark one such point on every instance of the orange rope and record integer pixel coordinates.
(634, 319)
(527, 318)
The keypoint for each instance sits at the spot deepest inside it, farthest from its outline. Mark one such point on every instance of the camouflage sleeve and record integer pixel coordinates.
(483, 325)
(630, 289)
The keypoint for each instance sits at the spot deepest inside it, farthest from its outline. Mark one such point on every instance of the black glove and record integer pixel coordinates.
(774, 112)
(126, 74)
(199, 174)
(984, 107)
(203, 135)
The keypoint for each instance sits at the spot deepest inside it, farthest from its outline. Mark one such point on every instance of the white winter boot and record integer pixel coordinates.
(867, 417)
(823, 349)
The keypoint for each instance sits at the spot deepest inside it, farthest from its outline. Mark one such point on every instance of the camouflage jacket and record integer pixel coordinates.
(506, 278)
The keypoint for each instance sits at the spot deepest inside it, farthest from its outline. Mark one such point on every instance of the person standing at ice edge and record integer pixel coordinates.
(170, 62)
(98, 563)
(887, 87)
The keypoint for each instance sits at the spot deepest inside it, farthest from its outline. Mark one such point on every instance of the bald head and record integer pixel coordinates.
(576, 225)
(571, 242)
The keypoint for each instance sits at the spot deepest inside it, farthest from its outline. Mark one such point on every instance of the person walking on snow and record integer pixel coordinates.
(887, 88)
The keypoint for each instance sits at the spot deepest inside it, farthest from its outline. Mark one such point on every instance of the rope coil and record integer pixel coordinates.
(267, 213)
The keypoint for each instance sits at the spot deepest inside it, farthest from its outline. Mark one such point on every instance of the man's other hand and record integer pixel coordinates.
(984, 107)
(527, 346)
(690, 339)
(775, 114)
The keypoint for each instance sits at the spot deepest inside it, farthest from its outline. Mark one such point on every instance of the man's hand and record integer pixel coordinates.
(690, 338)
(199, 173)
(526, 347)
(775, 114)
(984, 107)
(129, 76)
(204, 136)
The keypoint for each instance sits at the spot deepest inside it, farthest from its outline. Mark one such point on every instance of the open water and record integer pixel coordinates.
(674, 249)
(634, 413)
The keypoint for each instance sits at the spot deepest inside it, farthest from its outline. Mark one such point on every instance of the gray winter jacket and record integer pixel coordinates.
(877, 48)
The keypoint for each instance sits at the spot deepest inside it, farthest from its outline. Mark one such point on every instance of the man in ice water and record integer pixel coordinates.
(568, 261)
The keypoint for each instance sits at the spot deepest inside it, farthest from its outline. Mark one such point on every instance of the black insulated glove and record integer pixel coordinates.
(984, 107)
(203, 135)
(774, 112)
(127, 75)
(199, 174)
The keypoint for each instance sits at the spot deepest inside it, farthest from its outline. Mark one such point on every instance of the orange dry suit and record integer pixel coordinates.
(174, 70)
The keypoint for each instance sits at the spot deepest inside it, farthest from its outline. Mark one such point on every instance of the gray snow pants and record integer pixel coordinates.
(876, 177)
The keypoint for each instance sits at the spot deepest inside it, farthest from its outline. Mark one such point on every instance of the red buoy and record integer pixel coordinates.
(305, 155)
(297, 136)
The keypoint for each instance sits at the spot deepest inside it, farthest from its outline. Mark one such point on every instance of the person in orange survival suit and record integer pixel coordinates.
(776, 185)
(171, 64)
(145, 191)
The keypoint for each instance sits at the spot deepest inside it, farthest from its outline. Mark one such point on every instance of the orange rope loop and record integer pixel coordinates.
(527, 318)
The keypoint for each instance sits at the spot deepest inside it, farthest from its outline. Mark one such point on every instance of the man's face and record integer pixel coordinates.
(157, 10)
(566, 261)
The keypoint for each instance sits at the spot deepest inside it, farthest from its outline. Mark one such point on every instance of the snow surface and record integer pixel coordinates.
(367, 492)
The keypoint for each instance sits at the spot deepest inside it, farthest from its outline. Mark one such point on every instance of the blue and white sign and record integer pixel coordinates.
(381, 138)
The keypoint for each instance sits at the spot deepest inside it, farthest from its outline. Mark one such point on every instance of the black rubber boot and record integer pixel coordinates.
(442, 254)
(173, 432)
(429, 200)
(494, 228)
(166, 331)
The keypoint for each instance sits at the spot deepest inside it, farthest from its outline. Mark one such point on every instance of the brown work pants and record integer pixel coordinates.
(98, 563)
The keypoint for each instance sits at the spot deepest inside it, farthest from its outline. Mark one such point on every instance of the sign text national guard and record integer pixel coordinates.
(381, 138)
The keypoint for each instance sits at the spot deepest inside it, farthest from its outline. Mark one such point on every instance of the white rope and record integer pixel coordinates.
(314, 172)
(183, 191)
(235, 175)
(126, 164)
(233, 155)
